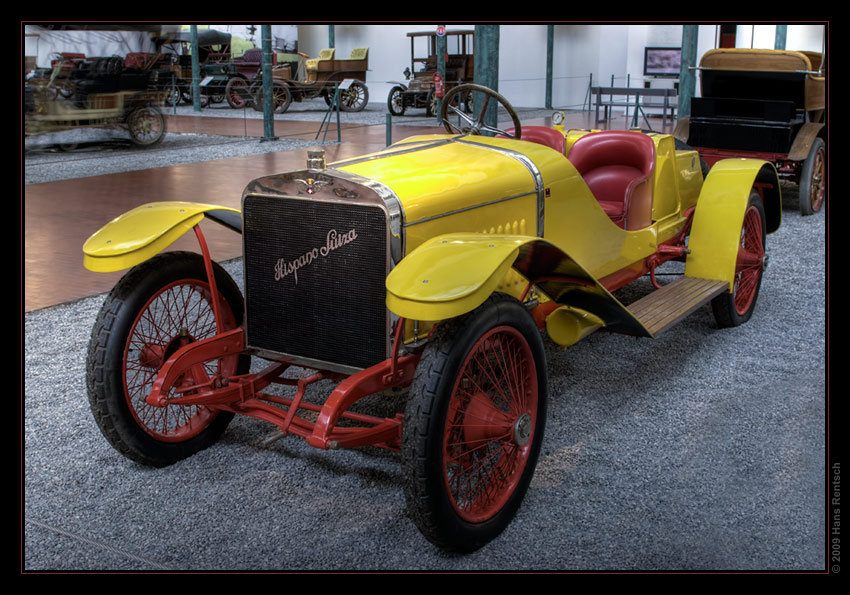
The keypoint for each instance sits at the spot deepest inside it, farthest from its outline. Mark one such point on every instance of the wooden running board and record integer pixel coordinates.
(664, 307)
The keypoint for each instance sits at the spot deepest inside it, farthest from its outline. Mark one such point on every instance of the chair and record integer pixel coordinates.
(619, 168)
(543, 135)
(324, 55)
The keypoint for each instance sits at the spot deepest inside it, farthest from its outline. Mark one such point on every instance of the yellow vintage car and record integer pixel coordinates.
(424, 272)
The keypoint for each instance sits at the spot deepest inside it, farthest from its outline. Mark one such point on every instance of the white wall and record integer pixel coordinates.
(798, 37)
(41, 43)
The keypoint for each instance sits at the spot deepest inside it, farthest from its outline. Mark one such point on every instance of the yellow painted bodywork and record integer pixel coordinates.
(453, 274)
(474, 207)
(494, 194)
(450, 275)
(462, 179)
(486, 191)
(454, 188)
(567, 325)
(141, 233)
(716, 233)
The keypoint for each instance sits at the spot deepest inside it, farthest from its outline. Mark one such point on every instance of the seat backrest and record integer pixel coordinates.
(325, 54)
(618, 167)
(543, 135)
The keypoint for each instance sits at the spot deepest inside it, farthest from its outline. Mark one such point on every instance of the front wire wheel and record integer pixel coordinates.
(395, 101)
(156, 308)
(474, 425)
(735, 308)
(354, 98)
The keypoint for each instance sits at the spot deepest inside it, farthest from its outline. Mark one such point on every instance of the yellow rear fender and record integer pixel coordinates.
(453, 274)
(143, 232)
(716, 232)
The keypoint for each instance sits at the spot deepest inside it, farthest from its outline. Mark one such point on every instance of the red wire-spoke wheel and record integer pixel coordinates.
(735, 308)
(236, 93)
(154, 310)
(489, 425)
(474, 424)
(179, 314)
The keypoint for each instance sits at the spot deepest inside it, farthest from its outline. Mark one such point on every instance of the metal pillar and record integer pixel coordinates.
(487, 67)
(196, 71)
(687, 74)
(441, 68)
(268, 95)
(550, 45)
(781, 35)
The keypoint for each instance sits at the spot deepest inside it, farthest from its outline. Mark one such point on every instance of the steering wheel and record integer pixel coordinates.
(477, 126)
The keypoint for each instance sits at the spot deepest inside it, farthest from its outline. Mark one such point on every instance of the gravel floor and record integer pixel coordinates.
(701, 450)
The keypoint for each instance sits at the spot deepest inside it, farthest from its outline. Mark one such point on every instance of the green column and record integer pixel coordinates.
(781, 34)
(196, 70)
(687, 75)
(331, 36)
(268, 99)
(487, 67)
(550, 44)
(441, 68)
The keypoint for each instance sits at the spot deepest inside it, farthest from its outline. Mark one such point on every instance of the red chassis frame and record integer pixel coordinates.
(784, 167)
(243, 394)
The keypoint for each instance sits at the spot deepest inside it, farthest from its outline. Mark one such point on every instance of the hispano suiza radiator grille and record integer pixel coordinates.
(314, 279)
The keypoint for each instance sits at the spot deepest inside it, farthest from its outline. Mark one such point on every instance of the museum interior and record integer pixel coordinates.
(630, 177)
(561, 68)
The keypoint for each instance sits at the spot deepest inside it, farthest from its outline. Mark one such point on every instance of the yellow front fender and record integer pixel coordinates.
(716, 233)
(143, 232)
(453, 274)
(450, 275)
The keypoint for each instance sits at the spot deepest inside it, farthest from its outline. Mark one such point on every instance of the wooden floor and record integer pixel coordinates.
(59, 216)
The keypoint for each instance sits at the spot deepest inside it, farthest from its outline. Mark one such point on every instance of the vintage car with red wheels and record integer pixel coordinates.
(428, 273)
(764, 104)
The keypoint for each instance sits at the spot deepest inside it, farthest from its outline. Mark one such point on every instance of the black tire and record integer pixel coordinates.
(736, 308)
(354, 98)
(173, 96)
(813, 179)
(132, 321)
(395, 101)
(451, 512)
(146, 125)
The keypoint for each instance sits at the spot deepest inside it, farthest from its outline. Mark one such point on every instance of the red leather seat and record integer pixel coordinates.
(618, 166)
(543, 135)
